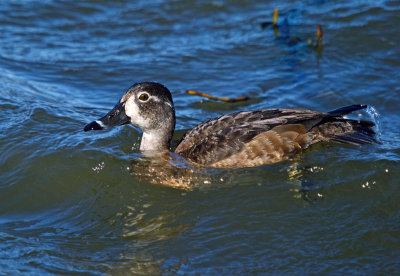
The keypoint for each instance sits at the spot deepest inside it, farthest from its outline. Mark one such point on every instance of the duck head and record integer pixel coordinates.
(149, 107)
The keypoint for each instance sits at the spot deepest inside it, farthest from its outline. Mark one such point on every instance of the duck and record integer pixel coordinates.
(235, 140)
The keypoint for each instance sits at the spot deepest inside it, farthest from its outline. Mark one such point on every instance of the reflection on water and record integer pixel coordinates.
(167, 169)
(301, 178)
(141, 228)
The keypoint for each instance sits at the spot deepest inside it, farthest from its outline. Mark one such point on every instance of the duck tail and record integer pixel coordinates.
(361, 133)
(347, 109)
(348, 131)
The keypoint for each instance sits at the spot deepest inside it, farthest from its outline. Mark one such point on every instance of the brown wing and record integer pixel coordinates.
(253, 138)
(269, 147)
(220, 138)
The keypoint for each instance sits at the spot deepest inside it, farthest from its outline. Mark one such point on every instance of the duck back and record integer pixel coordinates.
(254, 138)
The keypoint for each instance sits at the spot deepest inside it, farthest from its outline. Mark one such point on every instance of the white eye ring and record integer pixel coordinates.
(144, 97)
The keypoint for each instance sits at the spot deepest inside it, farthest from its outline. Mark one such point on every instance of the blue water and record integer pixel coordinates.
(69, 203)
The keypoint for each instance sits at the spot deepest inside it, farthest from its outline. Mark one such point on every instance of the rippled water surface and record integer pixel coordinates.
(69, 202)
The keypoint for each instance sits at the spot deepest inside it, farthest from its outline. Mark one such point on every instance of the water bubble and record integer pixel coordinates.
(99, 167)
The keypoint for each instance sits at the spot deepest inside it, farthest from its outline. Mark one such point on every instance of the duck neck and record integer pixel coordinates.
(156, 140)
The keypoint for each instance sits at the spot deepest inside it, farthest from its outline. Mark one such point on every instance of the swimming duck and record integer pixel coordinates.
(240, 139)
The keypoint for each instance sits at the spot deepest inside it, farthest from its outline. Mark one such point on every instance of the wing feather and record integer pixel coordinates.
(222, 137)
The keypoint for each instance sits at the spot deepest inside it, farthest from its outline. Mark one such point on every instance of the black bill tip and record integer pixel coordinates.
(95, 125)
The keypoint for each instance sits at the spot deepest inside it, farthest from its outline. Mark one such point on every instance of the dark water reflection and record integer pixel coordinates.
(70, 202)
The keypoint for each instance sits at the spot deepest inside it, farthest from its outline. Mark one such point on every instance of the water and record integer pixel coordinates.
(69, 204)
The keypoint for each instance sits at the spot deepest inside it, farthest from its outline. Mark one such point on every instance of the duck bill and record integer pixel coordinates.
(115, 117)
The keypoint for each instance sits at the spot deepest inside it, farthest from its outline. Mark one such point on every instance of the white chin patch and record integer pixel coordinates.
(132, 111)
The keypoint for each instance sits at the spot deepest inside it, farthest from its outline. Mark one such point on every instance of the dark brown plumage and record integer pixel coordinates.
(253, 138)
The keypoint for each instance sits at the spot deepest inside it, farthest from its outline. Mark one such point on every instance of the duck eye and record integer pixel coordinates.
(144, 97)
